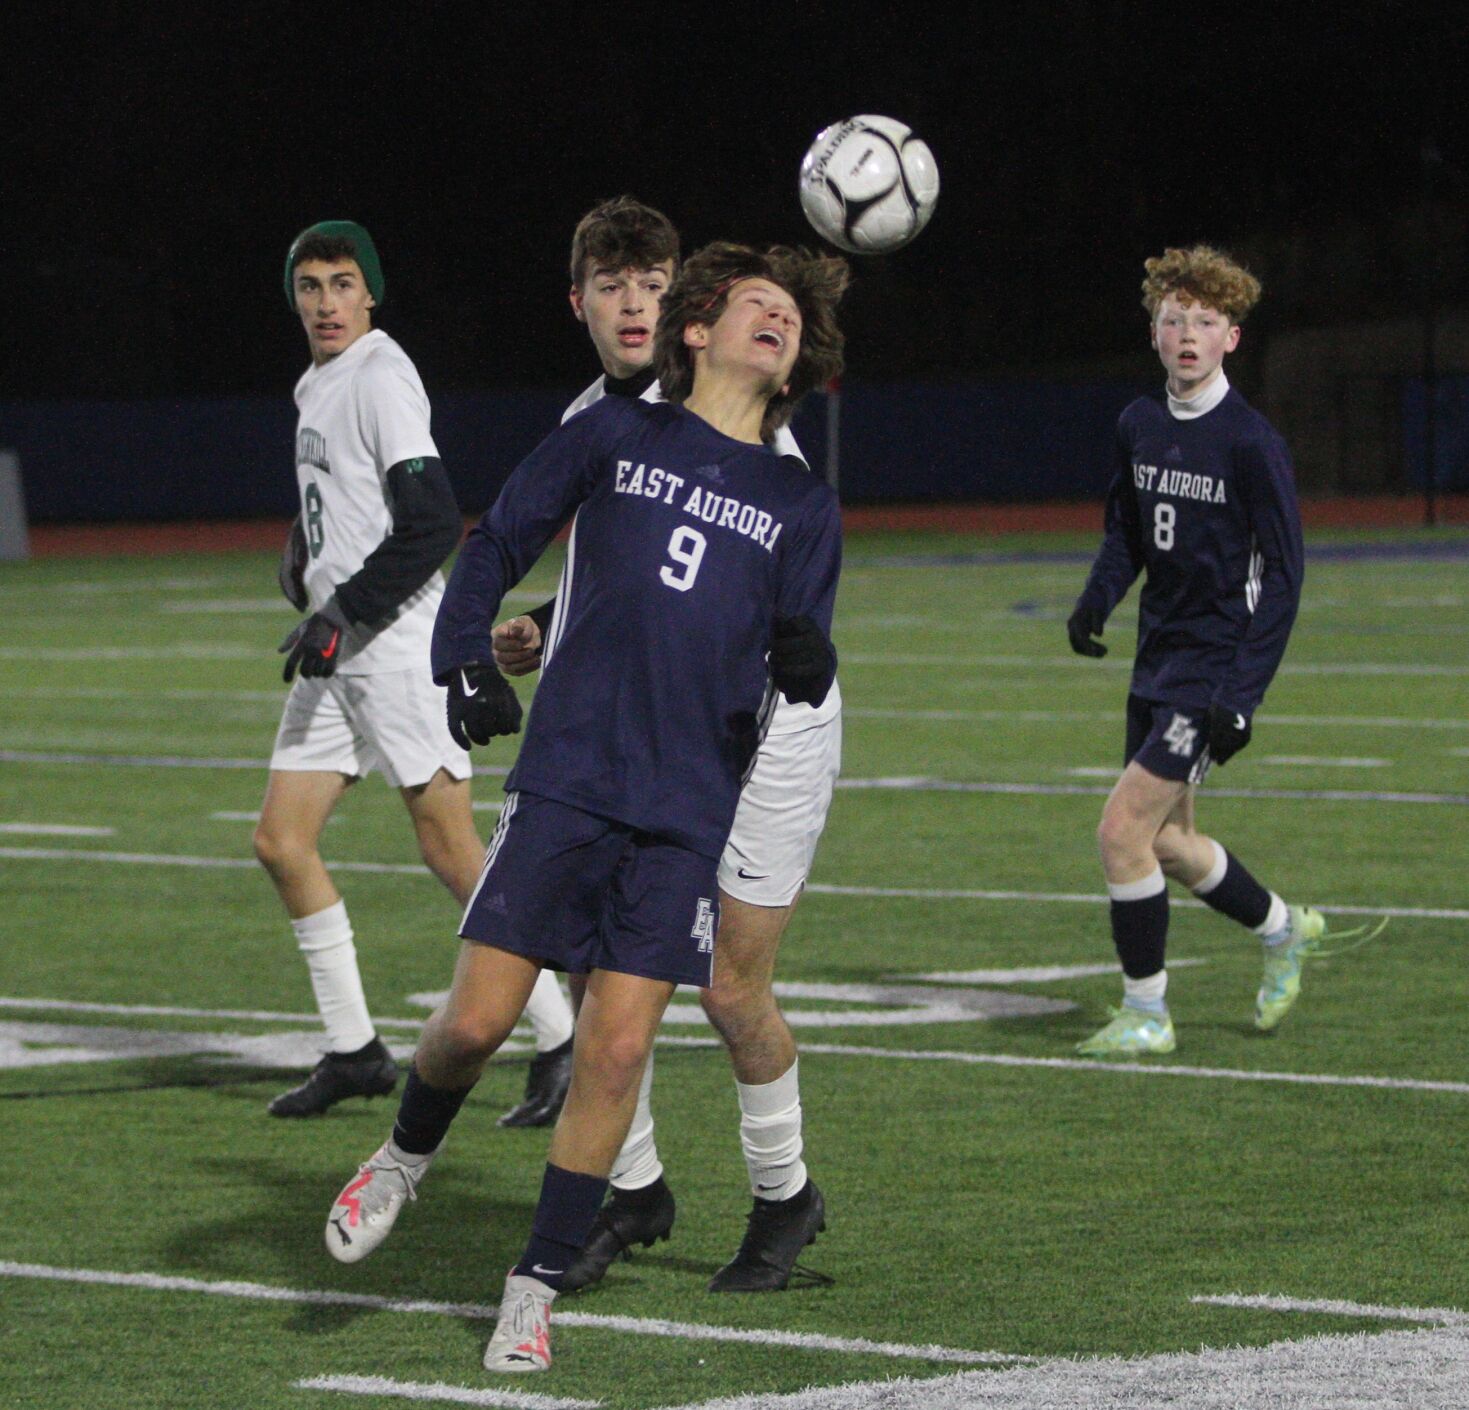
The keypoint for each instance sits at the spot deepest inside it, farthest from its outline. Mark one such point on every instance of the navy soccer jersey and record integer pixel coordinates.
(1206, 507)
(685, 546)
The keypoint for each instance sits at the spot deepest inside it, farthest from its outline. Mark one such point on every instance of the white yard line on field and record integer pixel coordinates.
(26, 829)
(848, 1050)
(1335, 1307)
(436, 1392)
(916, 893)
(955, 660)
(634, 1326)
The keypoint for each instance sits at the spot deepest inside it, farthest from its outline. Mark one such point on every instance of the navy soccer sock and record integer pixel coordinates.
(425, 1115)
(1233, 892)
(563, 1223)
(1140, 923)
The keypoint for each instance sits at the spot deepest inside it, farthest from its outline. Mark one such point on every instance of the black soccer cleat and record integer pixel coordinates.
(621, 1223)
(776, 1233)
(335, 1078)
(546, 1086)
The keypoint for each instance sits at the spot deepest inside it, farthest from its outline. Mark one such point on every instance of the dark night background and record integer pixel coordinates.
(158, 161)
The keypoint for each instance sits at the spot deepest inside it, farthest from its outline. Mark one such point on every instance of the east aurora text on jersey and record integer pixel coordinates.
(685, 546)
(1206, 506)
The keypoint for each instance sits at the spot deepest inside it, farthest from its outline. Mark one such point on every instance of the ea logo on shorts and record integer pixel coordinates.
(703, 930)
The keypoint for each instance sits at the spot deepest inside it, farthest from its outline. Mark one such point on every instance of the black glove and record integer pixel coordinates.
(802, 660)
(1082, 626)
(1229, 732)
(315, 644)
(482, 704)
(292, 574)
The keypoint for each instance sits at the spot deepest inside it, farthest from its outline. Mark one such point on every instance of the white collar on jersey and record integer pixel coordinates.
(1203, 403)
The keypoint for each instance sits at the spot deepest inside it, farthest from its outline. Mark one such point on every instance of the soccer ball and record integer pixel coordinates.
(868, 184)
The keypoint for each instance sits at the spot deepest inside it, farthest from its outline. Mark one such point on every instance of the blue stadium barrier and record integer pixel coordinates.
(1450, 433)
(172, 460)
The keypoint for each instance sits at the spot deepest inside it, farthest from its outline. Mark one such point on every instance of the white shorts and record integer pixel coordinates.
(781, 814)
(393, 723)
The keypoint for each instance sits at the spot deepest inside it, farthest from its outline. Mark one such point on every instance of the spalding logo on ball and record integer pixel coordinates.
(868, 184)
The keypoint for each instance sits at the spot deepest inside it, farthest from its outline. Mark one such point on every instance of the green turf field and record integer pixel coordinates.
(160, 1237)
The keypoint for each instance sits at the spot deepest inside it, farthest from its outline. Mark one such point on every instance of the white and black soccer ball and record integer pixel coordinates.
(868, 184)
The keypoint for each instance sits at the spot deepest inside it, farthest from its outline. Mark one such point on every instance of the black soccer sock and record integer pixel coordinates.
(1233, 892)
(563, 1223)
(1140, 924)
(425, 1115)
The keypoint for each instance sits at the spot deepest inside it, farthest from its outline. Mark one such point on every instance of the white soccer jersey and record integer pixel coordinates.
(787, 717)
(360, 413)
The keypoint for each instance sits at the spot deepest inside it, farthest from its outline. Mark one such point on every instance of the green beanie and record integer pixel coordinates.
(364, 251)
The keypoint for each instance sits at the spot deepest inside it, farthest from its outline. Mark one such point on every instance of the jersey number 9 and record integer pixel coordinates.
(686, 548)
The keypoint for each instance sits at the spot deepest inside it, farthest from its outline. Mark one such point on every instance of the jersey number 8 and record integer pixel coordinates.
(1164, 516)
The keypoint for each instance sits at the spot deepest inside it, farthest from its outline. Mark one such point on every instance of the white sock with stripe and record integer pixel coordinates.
(770, 1133)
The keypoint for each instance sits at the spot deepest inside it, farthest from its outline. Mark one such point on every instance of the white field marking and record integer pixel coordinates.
(916, 893)
(176, 1011)
(245, 815)
(636, 1326)
(917, 783)
(168, 761)
(66, 692)
(1316, 761)
(1426, 1370)
(485, 807)
(1091, 899)
(1460, 753)
(256, 1049)
(1124, 663)
(1335, 1307)
(1042, 974)
(276, 697)
(438, 1392)
(54, 830)
(187, 650)
(222, 606)
(1216, 1074)
(1111, 717)
(1093, 771)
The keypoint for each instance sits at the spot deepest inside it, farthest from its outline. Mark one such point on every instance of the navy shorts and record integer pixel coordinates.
(577, 892)
(1170, 741)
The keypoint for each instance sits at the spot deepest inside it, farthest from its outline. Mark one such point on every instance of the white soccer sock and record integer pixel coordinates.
(637, 1163)
(770, 1133)
(548, 1012)
(325, 939)
(1146, 994)
(1276, 927)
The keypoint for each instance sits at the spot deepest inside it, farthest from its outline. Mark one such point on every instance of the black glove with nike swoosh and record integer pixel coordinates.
(482, 704)
(315, 645)
(1229, 732)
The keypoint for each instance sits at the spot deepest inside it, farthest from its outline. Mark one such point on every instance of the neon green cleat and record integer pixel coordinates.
(1281, 985)
(1131, 1031)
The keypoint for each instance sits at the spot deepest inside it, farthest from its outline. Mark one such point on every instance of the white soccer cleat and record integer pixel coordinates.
(522, 1339)
(364, 1213)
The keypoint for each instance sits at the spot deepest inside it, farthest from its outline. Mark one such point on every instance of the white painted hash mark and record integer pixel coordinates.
(25, 829)
(638, 1326)
(438, 1392)
(1336, 1307)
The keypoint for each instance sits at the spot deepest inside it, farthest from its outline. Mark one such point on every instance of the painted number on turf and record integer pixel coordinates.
(686, 548)
(1164, 516)
(315, 533)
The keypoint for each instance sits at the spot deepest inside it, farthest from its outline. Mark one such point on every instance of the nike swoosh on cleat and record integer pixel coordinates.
(553, 1272)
